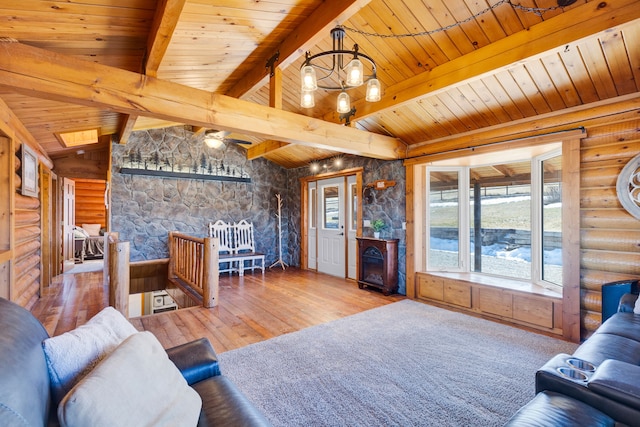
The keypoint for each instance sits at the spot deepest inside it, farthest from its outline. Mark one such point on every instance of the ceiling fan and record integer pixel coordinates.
(215, 138)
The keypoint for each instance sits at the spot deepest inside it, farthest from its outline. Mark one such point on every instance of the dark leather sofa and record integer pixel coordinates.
(605, 391)
(25, 395)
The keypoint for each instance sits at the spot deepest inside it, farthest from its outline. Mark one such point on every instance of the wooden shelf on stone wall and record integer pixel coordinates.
(381, 184)
(183, 175)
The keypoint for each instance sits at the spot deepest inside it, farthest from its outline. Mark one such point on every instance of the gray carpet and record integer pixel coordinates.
(404, 364)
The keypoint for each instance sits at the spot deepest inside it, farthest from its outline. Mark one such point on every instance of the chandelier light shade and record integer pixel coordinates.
(338, 70)
(308, 78)
(354, 73)
(306, 99)
(344, 102)
(373, 90)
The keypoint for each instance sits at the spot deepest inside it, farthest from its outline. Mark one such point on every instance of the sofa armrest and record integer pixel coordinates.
(619, 381)
(196, 360)
(627, 303)
(548, 378)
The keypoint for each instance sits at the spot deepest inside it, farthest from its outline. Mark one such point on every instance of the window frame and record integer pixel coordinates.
(463, 165)
(490, 142)
(463, 217)
(537, 217)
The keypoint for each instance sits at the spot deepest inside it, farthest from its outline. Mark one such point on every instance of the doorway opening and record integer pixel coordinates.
(331, 221)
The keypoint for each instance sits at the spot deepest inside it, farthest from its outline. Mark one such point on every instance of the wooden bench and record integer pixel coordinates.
(236, 247)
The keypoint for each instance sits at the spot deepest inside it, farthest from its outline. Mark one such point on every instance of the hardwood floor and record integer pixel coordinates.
(252, 308)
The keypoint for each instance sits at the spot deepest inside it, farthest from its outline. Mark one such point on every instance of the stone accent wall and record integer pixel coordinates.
(145, 208)
(388, 204)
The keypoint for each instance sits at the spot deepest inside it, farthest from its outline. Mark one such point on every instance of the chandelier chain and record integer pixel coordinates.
(535, 10)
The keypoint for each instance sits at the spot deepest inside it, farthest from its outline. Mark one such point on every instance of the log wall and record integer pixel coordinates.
(91, 164)
(27, 250)
(609, 235)
(90, 207)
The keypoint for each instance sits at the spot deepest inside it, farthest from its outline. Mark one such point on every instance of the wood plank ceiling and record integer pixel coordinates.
(497, 62)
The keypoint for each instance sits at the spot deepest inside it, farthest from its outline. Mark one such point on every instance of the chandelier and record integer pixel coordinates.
(327, 70)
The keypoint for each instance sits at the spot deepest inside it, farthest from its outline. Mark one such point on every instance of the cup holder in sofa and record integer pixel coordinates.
(581, 365)
(572, 373)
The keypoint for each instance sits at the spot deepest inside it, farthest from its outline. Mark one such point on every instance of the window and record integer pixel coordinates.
(354, 207)
(500, 225)
(500, 218)
(313, 209)
(330, 199)
(444, 219)
(551, 219)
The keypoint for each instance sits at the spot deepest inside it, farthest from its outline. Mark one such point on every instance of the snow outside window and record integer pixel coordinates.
(497, 218)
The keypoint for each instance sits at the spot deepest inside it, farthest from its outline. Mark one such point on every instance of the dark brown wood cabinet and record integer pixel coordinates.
(378, 264)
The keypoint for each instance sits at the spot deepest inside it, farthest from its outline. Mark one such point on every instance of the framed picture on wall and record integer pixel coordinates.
(29, 172)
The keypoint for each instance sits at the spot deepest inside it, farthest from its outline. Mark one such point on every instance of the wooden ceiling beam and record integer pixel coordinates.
(264, 148)
(275, 101)
(146, 123)
(44, 74)
(162, 29)
(565, 28)
(322, 20)
(275, 89)
(127, 127)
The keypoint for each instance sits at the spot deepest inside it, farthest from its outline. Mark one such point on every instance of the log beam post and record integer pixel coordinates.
(172, 256)
(119, 276)
(211, 273)
(108, 238)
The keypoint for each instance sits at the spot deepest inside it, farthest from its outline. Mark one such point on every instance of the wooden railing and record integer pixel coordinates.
(193, 265)
(116, 272)
(194, 261)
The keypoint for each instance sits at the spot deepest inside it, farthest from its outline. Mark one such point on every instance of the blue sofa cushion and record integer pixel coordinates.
(550, 409)
(600, 347)
(622, 324)
(24, 391)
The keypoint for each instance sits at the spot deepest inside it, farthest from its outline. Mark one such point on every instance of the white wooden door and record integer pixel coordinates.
(331, 227)
(68, 218)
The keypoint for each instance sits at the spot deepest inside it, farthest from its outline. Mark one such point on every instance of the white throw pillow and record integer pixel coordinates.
(92, 229)
(136, 385)
(73, 354)
(636, 308)
(80, 233)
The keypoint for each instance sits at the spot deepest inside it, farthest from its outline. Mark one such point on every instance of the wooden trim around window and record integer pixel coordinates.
(570, 216)
(571, 239)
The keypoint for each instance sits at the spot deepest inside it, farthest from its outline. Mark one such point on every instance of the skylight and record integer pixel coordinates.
(75, 139)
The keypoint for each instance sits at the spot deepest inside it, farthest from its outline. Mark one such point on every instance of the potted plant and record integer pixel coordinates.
(377, 225)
